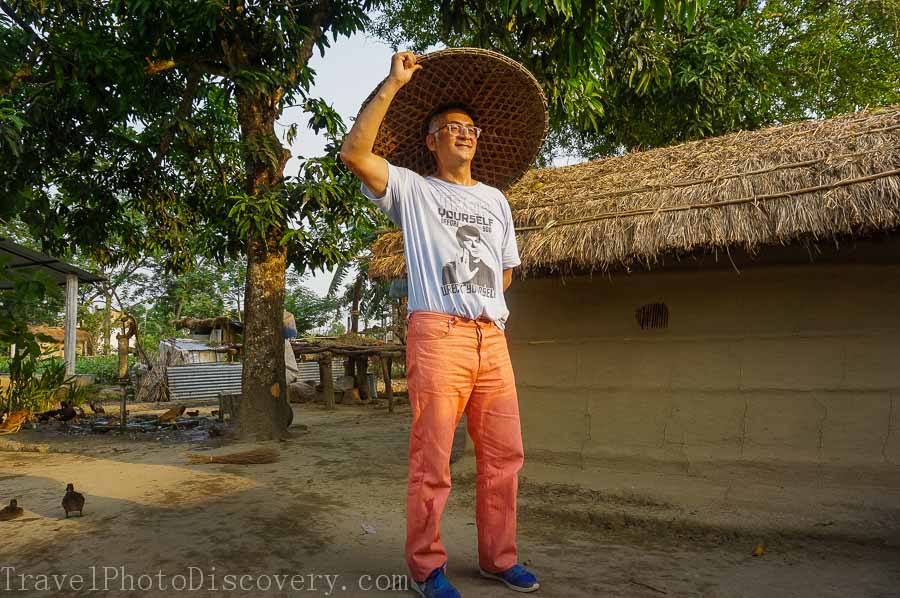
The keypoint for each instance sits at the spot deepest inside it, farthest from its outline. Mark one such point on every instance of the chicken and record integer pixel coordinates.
(194, 413)
(66, 413)
(12, 511)
(172, 414)
(97, 408)
(73, 501)
(45, 416)
(81, 412)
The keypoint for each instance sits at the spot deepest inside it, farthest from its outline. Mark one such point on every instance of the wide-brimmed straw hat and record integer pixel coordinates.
(506, 99)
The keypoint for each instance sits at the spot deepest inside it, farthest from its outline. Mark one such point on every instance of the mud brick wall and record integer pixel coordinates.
(790, 364)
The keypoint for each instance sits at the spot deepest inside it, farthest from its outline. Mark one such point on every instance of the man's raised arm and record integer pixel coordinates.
(356, 152)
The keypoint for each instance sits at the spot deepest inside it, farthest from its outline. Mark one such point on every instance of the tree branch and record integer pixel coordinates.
(184, 110)
(319, 23)
(25, 26)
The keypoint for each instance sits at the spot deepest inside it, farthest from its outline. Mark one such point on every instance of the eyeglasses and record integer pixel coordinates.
(459, 130)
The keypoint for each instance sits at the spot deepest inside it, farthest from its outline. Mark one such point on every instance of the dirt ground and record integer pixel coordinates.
(328, 519)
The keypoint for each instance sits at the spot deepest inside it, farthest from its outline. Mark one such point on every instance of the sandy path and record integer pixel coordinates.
(150, 512)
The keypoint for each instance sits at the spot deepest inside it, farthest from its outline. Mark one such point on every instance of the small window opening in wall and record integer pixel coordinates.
(652, 315)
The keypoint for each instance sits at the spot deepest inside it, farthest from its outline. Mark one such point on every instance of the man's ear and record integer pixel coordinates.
(430, 143)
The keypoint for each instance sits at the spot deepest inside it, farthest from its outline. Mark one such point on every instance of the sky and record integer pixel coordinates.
(345, 76)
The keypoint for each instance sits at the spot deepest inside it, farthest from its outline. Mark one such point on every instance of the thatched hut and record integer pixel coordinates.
(84, 343)
(730, 299)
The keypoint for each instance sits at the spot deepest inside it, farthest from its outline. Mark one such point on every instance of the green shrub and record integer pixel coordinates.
(35, 382)
(104, 367)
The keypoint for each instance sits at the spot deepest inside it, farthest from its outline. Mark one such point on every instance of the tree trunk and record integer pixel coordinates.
(265, 412)
(107, 325)
(264, 403)
(354, 310)
(401, 310)
(179, 307)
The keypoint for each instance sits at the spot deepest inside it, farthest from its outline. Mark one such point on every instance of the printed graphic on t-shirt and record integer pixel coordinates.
(470, 269)
(456, 218)
(458, 240)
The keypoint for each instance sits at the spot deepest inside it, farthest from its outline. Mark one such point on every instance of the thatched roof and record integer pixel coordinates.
(798, 183)
(59, 334)
(207, 325)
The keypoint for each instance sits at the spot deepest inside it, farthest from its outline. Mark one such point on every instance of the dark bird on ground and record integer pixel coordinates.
(66, 413)
(45, 416)
(194, 413)
(12, 511)
(73, 501)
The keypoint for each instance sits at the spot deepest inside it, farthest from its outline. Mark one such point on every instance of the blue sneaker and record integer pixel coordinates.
(436, 586)
(516, 578)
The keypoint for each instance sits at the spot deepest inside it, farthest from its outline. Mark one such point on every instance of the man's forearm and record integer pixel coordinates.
(361, 138)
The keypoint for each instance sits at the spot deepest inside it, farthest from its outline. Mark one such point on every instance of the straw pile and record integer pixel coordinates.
(14, 422)
(800, 183)
(252, 457)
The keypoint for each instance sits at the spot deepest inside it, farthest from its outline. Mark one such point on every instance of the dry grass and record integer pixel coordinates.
(804, 182)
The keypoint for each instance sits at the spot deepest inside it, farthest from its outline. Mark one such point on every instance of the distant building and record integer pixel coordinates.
(84, 343)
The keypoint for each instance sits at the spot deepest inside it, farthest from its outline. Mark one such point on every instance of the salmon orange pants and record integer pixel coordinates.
(456, 365)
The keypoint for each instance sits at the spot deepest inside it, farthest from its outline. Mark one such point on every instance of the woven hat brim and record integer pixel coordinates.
(507, 100)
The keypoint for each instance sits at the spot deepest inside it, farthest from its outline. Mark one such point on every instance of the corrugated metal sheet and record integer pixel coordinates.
(203, 380)
(309, 370)
(207, 380)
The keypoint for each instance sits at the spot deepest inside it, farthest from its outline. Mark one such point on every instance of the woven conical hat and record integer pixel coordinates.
(507, 100)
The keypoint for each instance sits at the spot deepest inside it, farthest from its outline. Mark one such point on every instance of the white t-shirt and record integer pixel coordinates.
(458, 238)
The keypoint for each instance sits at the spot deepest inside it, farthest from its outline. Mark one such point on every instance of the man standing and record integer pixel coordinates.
(460, 252)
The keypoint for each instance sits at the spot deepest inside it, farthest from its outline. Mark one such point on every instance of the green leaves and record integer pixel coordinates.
(258, 216)
(11, 125)
(622, 74)
(593, 59)
(18, 306)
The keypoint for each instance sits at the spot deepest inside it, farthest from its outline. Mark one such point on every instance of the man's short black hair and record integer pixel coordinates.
(447, 107)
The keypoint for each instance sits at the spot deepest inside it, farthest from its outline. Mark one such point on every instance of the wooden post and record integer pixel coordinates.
(327, 382)
(123, 411)
(71, 322)
(122, 373)
(386, 361)
(122, 377)
(349, 370)
(362, 383)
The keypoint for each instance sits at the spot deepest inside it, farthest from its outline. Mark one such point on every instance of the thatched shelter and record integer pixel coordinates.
(806, 182)
(726, 300)
(84, 343)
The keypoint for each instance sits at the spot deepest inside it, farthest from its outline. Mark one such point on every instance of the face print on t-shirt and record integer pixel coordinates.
(472, 268)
